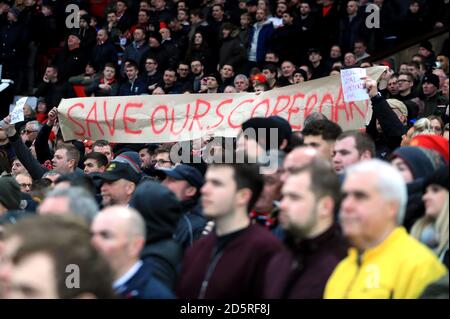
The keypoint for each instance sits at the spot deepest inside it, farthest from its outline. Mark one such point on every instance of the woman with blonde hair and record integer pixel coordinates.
(422, 126)
(432, 229)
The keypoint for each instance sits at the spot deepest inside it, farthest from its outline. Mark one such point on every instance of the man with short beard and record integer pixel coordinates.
(314, 241)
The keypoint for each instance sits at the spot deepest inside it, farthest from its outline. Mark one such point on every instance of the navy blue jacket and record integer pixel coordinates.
(143, 285)
(137, 88)
(264, 37)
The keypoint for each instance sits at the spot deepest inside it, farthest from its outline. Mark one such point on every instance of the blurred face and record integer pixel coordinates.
(159, 4)
(359, 49)
(414, 71)
(271, 192)
(298, 78)
(61, 163)
(305, 9)
(219, 192)
(92, 166)
(296, 159)
(196, 67)
(270, 57)
(349, 59)
(429, 89)
(299, 206)
(315, 57)
(434, 199)
(131, 72)
(139, 35)
(110, 237)
(146, 158)
(241, 85)
(227, 72)
(165, 33)
(73, 41)
(102, 36)
(183, 70)
(287, 19)
(17, 168)
(365, 214)
(287, 69)
(404, 83)
(25, 182)
(345, 154)
(181, 188)
(34, 278)
(105, 150)
(89, 70)
(54, 206)
(212, 83)
(335, 52)
(436, 126)
(403, 168)
(116, 193)
(414, 7)
(150, 65)
(260, 15)
(352, 7)
(30, 132)
(169, 77)
(403, 68)
(112, 18)
(323, 147)
(393, 86)
(163, 160)
(245, 21)
(120, 7)
(142, 17)
(109, 73)
(182, 16)
(198, 39)
(269, 75)
(217, 13)
(424, 52)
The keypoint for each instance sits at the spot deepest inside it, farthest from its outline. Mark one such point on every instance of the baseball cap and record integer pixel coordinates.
(117, 170)
(185, 172)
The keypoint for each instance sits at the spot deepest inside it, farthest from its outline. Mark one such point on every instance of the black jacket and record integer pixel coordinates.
(161, 211)
(104, 53)
(54, 92)
(191, 224)
(70, 63)
(392, 128)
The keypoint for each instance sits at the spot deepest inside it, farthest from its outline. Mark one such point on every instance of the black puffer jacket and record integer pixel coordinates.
(161, 211)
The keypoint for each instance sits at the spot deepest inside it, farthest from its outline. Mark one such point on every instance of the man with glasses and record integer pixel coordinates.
(197, 69)
(153, 75)
(162, 158)
(30, 132)
(405, 84)
(184, 77)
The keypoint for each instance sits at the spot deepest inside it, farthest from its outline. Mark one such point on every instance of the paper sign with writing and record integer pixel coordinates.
(182, 117)
(353, 84)
(17, 113)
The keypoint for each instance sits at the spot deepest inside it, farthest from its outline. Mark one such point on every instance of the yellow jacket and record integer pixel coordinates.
(400, 267)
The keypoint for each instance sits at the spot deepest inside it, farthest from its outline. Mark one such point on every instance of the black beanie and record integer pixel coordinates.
(439, 177)
(10, 194)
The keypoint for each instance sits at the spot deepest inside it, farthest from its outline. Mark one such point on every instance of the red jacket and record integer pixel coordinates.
(302, 271)
(237, 272)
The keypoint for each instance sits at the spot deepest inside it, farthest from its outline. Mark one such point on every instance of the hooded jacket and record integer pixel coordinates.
(161, 211)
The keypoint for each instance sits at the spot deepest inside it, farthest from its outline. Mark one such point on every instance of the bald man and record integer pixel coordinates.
(118, 233)
(297, 158)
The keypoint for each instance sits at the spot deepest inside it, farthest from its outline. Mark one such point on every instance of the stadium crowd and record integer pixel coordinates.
(344, 214)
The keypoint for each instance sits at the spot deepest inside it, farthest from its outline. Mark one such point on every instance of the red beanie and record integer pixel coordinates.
(432, 142)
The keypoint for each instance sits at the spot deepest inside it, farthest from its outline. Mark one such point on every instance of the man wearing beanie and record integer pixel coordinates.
(435, 101)
(9, 195)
